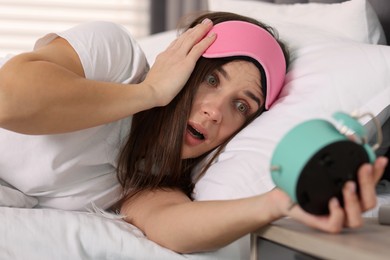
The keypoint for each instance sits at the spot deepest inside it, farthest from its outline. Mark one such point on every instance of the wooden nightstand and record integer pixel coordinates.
(287, 239)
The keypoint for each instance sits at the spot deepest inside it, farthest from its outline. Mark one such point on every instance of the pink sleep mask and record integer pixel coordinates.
(239, 38)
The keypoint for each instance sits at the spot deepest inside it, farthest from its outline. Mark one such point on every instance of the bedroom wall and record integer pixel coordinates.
(23, 21)
(166, 13)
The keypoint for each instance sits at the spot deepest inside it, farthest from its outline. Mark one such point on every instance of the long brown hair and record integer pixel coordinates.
(151, 158)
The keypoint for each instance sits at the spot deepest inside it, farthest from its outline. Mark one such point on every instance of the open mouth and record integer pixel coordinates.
(195, 133)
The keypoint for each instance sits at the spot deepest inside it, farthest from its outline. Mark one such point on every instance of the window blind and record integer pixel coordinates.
(23, 21)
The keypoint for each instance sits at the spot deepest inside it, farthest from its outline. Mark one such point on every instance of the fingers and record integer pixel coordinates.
(193, 41)
(332, 223)
(352, 206)
(368, 176)
(379, 167)
(336, 217)
(173, 67)
(351, 214)
(201, 47)
(367, 182)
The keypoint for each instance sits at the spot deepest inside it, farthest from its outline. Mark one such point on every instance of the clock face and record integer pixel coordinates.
(325, 173)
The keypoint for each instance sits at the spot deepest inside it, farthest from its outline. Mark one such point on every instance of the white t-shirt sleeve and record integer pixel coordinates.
(106, 50)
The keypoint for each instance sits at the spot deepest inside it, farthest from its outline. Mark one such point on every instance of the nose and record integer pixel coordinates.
(213, 112)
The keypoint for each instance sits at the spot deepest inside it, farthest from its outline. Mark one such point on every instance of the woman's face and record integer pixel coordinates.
(223, 103)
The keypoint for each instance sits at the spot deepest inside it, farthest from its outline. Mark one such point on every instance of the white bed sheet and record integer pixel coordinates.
(31, 233)
(56, 234)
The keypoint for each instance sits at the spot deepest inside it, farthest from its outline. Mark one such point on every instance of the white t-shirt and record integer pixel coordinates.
(70, 171)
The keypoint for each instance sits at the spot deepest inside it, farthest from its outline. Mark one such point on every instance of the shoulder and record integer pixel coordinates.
(86, 32)
(107, 51)
(100, 29)
(99, 34)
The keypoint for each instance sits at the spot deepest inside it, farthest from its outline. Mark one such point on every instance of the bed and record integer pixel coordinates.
(340, 62)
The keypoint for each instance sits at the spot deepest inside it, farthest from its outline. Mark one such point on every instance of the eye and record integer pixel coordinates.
(242, 107)
(212, 80)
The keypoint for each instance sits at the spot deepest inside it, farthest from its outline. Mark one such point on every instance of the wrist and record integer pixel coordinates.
(152, 95)
(146, 96)
(281, 202)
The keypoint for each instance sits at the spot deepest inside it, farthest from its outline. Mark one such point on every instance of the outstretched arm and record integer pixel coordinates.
(172, 220)
(45, 91)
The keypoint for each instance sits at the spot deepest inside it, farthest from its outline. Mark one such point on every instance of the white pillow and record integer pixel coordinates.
(355, 20)
(323, 78)
(156, 43)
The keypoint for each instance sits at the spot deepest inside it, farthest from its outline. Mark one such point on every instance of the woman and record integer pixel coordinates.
(192, 137)
(76, 105)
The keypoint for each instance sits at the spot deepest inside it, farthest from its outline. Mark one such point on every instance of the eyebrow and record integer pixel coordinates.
(224, 73)
(253, 97)
(248, 93)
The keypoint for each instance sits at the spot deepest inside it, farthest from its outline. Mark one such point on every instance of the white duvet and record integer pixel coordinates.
(33, 233)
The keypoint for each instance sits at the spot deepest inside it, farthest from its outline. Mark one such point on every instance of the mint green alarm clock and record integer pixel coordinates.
(312, 162)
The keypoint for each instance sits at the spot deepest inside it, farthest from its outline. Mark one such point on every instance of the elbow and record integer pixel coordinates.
(175, 246)
(176, 242)
(7, 117)
(11, 109)
(15, 97)
(5, 100)
(13, 117)
(182, 247)
(178, 248)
